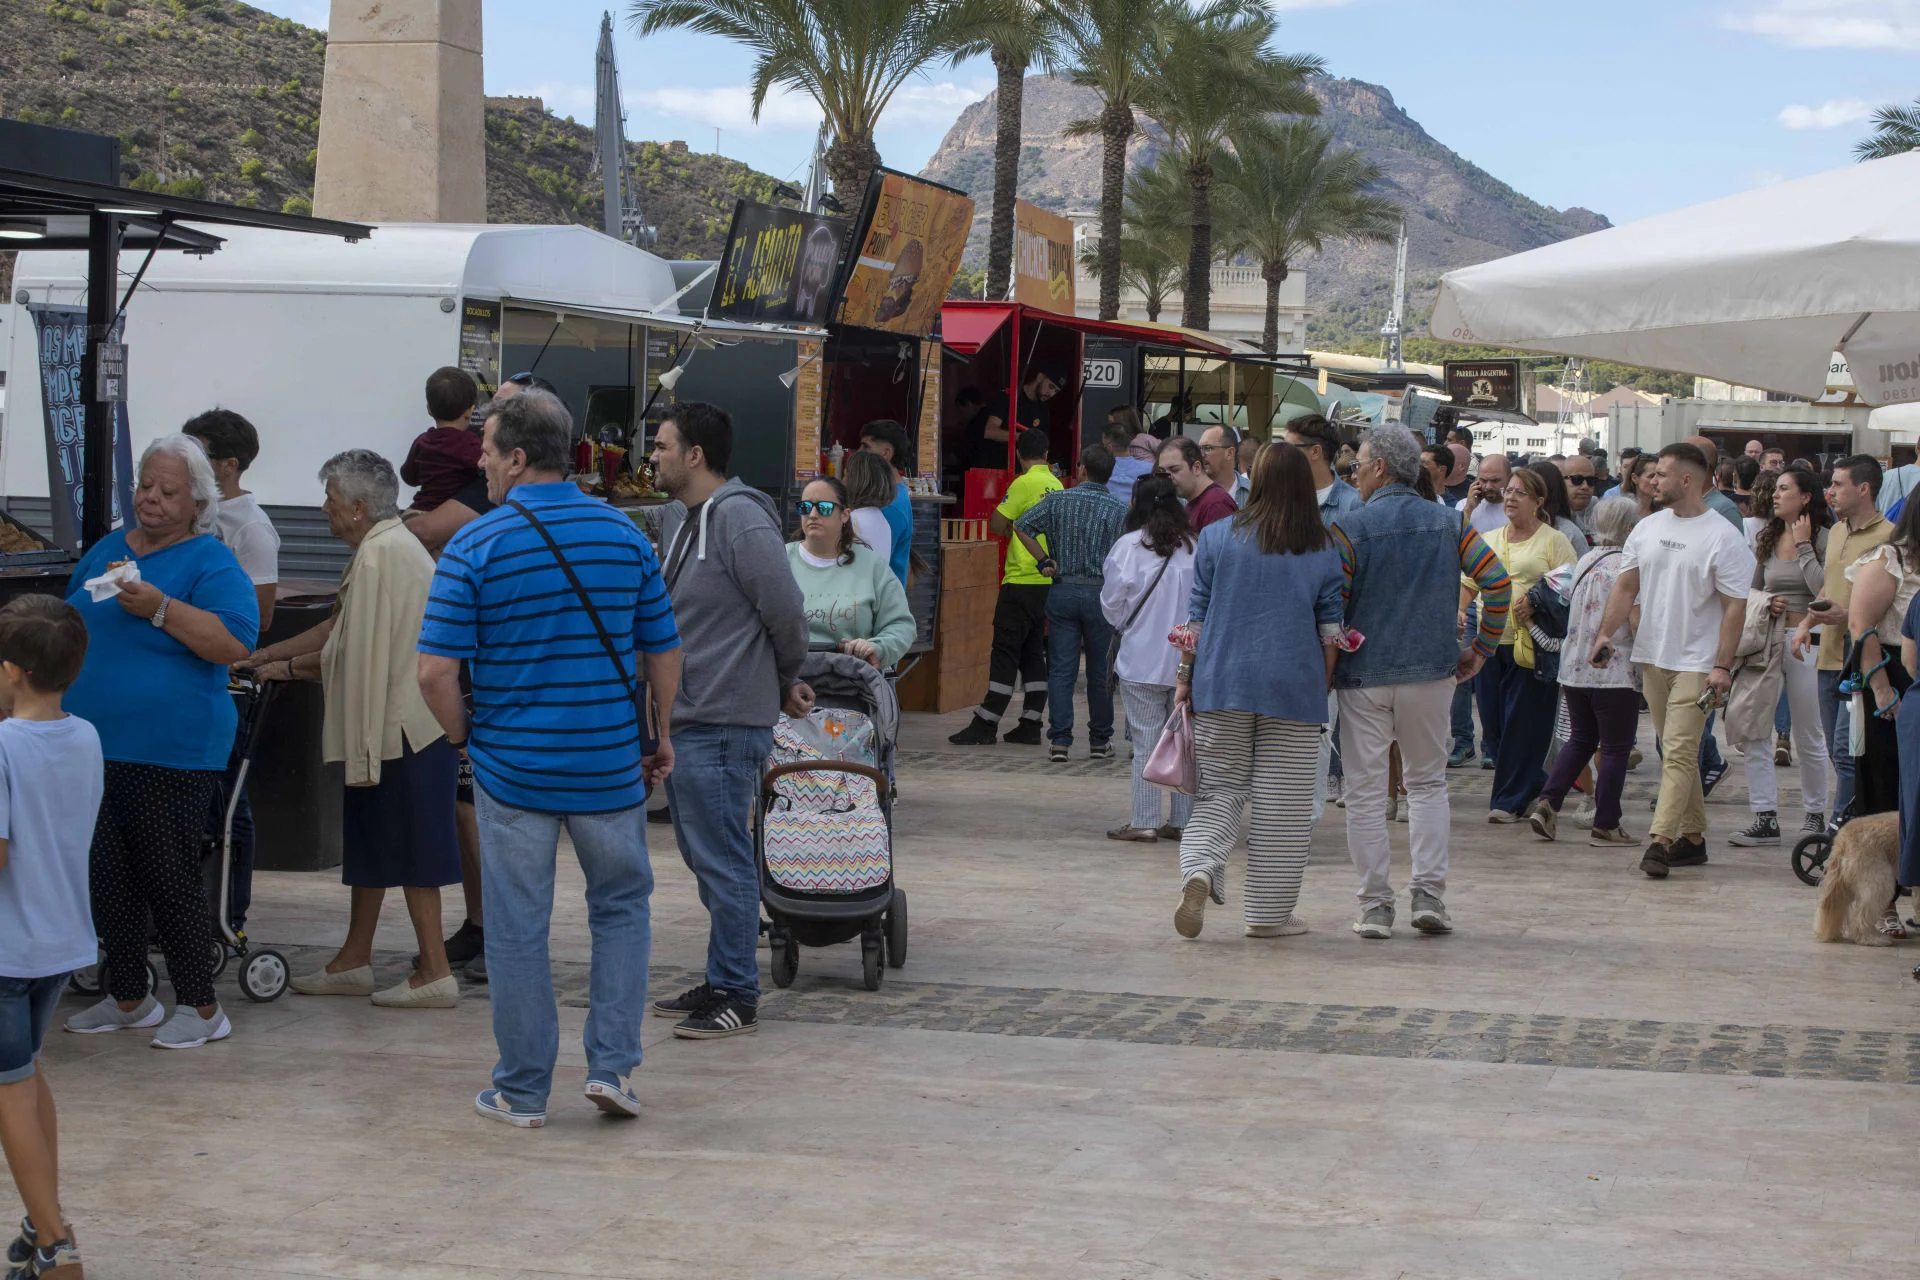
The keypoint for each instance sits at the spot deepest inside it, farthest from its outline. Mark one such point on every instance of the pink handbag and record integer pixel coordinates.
(1172, 765)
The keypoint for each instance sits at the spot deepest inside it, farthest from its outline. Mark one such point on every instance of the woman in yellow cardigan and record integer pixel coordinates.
(397, 819)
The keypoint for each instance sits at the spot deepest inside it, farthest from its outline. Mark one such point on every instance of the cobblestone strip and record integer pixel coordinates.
(1368, 1031)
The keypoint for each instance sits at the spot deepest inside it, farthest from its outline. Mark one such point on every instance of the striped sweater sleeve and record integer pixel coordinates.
(1478, 562)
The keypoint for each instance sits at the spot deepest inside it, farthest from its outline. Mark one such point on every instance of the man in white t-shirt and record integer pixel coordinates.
(232, 444)
(1689, 571)
(1485, 503)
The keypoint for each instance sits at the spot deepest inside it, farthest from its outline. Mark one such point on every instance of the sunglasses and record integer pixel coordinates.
(824, 507)
(1579, 480)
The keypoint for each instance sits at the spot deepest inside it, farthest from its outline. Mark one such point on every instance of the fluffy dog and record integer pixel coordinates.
(1859, 882)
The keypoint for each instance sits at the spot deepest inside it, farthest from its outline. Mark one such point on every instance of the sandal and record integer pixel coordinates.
(1891, 925)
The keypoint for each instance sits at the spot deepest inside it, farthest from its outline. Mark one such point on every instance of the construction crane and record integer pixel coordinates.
(1392, 328)
(621, 217)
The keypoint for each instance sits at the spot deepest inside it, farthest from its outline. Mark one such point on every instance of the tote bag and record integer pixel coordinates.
(1172, 765)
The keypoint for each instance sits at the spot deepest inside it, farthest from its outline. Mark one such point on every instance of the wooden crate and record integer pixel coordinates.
(954, 675)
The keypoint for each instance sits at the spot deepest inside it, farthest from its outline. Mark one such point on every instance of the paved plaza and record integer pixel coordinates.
(1596, 1075)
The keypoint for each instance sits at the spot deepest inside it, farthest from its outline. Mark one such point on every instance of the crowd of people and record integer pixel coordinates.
(510, 656)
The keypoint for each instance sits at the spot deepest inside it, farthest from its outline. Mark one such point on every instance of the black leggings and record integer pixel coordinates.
(146, 865)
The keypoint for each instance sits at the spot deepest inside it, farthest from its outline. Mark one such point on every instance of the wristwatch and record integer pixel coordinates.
(159, 618)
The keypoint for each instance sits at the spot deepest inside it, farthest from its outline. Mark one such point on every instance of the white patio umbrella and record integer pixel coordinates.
(1758, 289)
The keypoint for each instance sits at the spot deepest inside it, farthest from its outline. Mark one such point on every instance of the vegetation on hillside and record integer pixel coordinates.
(217, 99)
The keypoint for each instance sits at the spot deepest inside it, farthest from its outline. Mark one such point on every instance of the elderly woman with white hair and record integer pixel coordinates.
(1603, 703)
(155, 686)
(397, 820)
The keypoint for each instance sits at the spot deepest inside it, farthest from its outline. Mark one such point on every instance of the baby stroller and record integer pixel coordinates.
(824, 823)
(263, 974)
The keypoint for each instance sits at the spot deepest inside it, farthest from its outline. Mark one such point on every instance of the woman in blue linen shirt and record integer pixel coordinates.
(1266, 604)
(155, 686)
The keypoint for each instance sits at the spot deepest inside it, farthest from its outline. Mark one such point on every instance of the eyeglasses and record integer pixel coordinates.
(1215, 448)
(824, 507)
(1586, 481)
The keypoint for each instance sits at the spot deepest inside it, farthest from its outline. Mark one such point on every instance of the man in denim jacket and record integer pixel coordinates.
(1403, 557)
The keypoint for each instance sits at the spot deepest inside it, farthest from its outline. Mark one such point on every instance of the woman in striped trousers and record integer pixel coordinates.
(1266, 605)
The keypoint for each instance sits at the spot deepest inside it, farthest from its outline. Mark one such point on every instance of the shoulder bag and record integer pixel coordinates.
(1113, 646)
(636, 683)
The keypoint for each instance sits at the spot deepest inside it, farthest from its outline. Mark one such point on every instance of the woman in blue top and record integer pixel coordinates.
(1266, 604)
(155, 686)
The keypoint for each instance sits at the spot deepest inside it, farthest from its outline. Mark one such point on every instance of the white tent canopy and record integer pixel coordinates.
(1758, 289)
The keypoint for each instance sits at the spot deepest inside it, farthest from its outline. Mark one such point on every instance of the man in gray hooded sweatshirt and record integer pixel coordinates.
(743, 630)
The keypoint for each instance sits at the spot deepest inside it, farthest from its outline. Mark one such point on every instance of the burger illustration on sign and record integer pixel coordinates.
(907, 267)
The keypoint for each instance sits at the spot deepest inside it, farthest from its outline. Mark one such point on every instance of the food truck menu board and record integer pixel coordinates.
(809, 409)
(62, 344)
(779, 266)
(480, 347)
(910, 235)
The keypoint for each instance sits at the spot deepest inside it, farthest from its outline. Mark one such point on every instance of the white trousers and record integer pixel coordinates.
(1371, 721)
(1326, 758)
(1809, 742)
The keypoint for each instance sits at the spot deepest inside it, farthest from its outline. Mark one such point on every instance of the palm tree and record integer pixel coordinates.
(1104, 45)
(1016, 34)
(1213, 74)
(1287, 191)
(849, 56)
(1152, 245)
(1896, 129)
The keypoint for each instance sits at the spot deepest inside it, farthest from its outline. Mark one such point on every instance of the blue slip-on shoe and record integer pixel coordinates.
(492, 1104)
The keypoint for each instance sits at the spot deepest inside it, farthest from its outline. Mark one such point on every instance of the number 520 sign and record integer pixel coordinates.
(1100, 374)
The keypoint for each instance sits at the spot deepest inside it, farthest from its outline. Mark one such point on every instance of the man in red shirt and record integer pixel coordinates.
(1206, 501)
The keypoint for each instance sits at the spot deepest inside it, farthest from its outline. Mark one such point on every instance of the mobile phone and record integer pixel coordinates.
(1821, 605)
(1603, 655)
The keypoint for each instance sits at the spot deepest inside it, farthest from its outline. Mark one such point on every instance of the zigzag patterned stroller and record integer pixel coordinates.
(824, 823)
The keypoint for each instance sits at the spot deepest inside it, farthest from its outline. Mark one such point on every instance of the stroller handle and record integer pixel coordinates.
(780, 771)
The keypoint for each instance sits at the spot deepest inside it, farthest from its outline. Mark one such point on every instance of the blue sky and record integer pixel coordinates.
(1629, 108)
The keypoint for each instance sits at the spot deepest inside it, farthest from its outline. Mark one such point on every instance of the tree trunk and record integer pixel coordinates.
(851, 162)
(1012, 73)
(1196, 313)
(1155, 300)
(1275, 274)
(1116, 129)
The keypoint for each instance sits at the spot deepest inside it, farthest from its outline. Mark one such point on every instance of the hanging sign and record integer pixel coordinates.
(779, 266)
(910, 235)
(1484, 384)
(1042, 259)
(62, 338)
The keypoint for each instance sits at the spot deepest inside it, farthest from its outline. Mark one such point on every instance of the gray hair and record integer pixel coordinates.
(538, 424)
(1399, 449)
(1613, 520)
(200, 481)
(365, 476)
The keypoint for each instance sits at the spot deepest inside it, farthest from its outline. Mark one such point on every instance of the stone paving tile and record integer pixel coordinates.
(1369, 1031)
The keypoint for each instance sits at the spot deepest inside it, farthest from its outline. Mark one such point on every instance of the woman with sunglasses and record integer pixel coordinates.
(854, 603)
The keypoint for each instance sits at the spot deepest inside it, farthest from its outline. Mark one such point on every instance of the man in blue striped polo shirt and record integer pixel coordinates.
(555, 737)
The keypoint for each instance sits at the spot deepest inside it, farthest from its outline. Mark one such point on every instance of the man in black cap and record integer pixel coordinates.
(999, 421)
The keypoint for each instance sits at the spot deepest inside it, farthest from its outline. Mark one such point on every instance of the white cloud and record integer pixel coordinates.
(729, 107)
(1834, 24)
(1830, 114)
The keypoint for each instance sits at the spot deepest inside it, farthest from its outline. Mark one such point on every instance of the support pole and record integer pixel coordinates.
(103, 266)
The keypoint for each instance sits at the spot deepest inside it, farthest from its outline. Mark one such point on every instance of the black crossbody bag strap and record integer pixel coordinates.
(1113, 648)
(636, 687)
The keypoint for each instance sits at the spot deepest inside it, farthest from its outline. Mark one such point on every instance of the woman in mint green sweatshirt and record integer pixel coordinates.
(854, 602)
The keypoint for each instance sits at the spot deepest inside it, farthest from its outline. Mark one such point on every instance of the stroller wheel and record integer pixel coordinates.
(90, 981)
(265, 976)
(220, 958)
(786, 960)
(1810, 858)
(872, 962)
(896, 930)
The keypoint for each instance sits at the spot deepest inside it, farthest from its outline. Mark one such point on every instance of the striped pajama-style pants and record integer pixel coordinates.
(1247, 758)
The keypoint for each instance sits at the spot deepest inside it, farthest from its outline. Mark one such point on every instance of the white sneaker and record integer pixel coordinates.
(186, 1029)
(107, 1015)
(1191, 913)
(1291, 927)
(1581, 815)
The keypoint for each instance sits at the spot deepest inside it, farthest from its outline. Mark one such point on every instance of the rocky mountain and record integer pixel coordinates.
(1457, 213)
(218, 99)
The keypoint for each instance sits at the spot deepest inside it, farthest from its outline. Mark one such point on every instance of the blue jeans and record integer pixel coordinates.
(1461, 711)
(1836, 722)
(1075, 625)
(517, 852)
(1782, 719)
(27, 1007)
(716, 770)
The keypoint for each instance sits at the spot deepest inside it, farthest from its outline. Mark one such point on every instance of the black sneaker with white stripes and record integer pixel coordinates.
(719, 1018)
(687, 1002)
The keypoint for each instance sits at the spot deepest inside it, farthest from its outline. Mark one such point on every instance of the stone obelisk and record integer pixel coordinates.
(402, 113)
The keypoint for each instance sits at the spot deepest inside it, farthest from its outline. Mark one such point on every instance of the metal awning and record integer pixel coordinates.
(967, 326)
(40, 212)
(709, 332)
